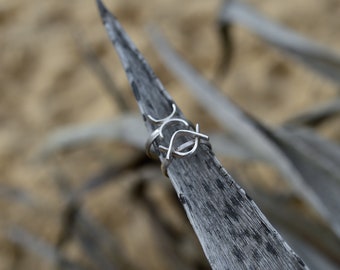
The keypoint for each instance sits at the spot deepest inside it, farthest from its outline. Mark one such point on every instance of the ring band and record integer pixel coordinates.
(185, 130)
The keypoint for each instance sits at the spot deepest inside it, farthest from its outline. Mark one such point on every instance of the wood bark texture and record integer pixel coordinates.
(232, 230)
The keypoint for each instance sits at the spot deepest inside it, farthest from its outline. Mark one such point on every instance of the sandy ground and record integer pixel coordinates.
(46, 84)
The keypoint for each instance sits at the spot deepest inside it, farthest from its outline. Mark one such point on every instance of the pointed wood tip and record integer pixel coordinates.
(102, 9)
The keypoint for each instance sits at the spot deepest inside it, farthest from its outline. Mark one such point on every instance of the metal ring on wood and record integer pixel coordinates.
(185, 130)
(159, 132)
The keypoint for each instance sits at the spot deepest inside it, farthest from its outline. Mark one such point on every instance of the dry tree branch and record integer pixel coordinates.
(247, 130)
(232, 230)
(314, 161)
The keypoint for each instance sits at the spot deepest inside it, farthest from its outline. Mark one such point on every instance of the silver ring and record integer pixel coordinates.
(185, 130)
(156, 121)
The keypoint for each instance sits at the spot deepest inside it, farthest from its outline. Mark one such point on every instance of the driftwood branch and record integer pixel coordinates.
(312, 161)
(255, 136)
(232, 230)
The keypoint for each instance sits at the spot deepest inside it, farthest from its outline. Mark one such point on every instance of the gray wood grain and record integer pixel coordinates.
(247, 130)
(232, 230)
(311, 158)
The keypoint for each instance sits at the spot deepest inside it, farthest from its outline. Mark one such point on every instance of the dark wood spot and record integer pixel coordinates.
(207, 188)
(184, 201)
(257, 237)
(235, 201)
(128, 70)
(149, 105)
(197, 157)
(162, 93)
(248, 197)
(238, 235)
(121, 39)
(219, 183)
(238, 253)
(210, 206)
(265, 227)
(300, 261)
(246, 233)
(190, 186)
(114, 41)
(240, 196)
(233, 233)
(135, 90)
(271, 249)
(220, 235)
(211, 153)
(151, 75)
(208, 164)
(256, 255)
(230, 211)
(103, 11)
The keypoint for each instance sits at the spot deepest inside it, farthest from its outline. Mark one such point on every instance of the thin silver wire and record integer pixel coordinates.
(186, 130)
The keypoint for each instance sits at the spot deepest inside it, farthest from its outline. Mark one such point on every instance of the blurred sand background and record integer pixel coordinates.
(46, 84)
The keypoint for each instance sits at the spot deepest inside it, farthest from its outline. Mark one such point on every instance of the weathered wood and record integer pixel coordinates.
(315, 161)
(232, 230)
(308, 155)
(250, 132)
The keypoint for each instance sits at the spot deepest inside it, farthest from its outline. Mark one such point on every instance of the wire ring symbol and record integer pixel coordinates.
(159, 133)
(185, 130)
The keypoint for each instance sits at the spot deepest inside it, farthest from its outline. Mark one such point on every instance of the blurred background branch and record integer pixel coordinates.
(73, 171)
